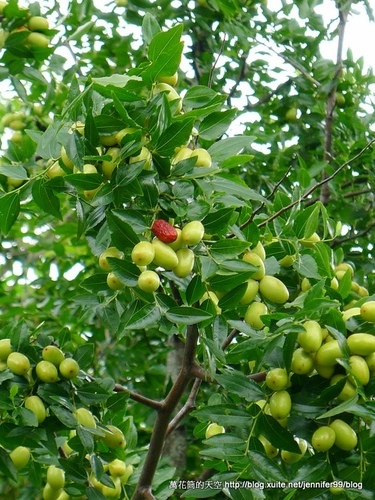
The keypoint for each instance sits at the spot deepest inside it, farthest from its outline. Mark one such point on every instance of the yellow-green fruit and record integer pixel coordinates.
(170, 80)
(50, 494)
(292, 458)
(255, 260)
(69, 368)
(164, 256)
(89, 168)
(323, 370)
(185, 264)
(345, 266)
(370, 360)
(182, 154)
(108, 139)
(145, 155)
(143, 253)
(310, 241)
(37, 40)
(359, 370)
(346, 438)
(129, 471)
(64, 496)
(85, 417)
(17, 137)
(311, 338)
(259, 250)
(65, 159)
(270, 450)
(277, 379)
(210, 295)
(280, 404)
(149, 281)
(18, 363)
(328, 353)
(55, 171)
(5, 349)
(305, 285)
(110, 252)
(115, 492)
(349, 313)
(170, 92)
(323, 438)
(291, 114)
(214, 429)
(47, 372)
(250, 292)
(334, 284)
(38, 23)
(192, 233)
(8, 117)
(203, 157)
(348, 390)
(302, 362)
(3, 366)
(17, 125)
(114, 437)
(108, 166)
(117, 467)
(123, 132)
(55, 477)
(53, 354)
(36, 405)
(362, 344)
(273, 289)
(20, 456)
(363, 292)
(177, 243)
(287, 261)
(367, 311)
(254, 313)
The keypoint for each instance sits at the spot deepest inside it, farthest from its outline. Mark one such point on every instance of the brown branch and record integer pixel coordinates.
(229, 339)
(331, 102)
(297, 66)
(353, 194)
(353, 236)
(268, 97)
(240, 77)
(188, 406)
(316, 186)
(144, 489)
(151, 403)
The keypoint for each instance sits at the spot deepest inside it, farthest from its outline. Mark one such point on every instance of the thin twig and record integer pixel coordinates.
(151, 403)
(233, 334)
(188, 406)
(240, 77)
(315, 186)
(353, 236)
(211, 75)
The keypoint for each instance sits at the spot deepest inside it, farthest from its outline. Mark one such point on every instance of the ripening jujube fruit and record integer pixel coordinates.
(128, 472)
(53, 354)
(348, 391)
(203, 157)
(292, 458)
(311, 338)
(185, 264)
(113, 282)
(277, 379)
(109, 252)
(149, 281)
(170, 93)
(259, 250)
(85, 417)
(302, 362)
(367, 311)
(255, 260)
(18, 363)
(113, 437)
(273, 289)
(20, 456)
(36, 405)
(270, 450)
(328, 353)
(108, 166)
(346, 438)
(164, 256)
(143, 253)
(192, 233)
(359, 370)
(5, 349)
(47, 372)
(253, 315)
(69, 368)
(38, 23)
(50, 493)
(213, 429)
(117, 467)
(38, 40)
(323, 438)
(145, 155)
(182, 154)
(362, 344)
(280, 404)
(250, 292)
(115, 492)
(55, 477)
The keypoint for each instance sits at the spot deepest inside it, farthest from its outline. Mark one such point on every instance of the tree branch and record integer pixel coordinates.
(315, 186)
(188, 406)
(353, 235)
(151, 403)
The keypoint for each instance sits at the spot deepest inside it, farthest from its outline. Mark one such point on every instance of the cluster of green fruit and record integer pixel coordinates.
(169, 250)
(54, 367)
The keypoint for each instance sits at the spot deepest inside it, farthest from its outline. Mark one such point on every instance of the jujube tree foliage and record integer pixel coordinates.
(187, 296)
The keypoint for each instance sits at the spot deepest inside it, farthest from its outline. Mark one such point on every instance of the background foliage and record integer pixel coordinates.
(289, 133)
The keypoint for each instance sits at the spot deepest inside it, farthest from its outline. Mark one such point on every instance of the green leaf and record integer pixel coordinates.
(144, 317)
(175, 135)
(229, 184)
(45, 198)
(195, 290)
(229, 248)
(217, 222)
(123, 235)
(84, 181)
(215, 124)
(6, 465)
(126, 271)
(198, 96)
(231, 146)
(277, 435)
(307, 266)
(306, 221)
(186, 315)
(237, 383)
(226, 415)
(341, 408)
(14, 172)
(9, 210)
(150, 27)
(84, 355)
